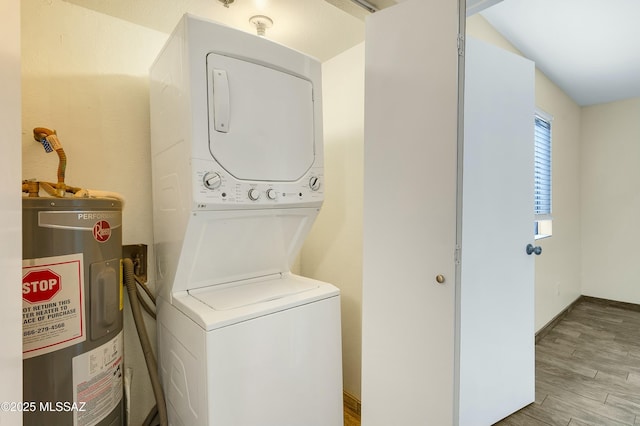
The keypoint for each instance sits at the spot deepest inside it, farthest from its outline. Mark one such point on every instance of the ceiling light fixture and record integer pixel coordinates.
(262, 23)
(226, 3)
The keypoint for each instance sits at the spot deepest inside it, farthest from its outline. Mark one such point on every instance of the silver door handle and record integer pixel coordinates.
(531, 250)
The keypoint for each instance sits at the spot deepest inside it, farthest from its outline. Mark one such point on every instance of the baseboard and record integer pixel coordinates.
(549, 326)
(612, 303)
(604, 302)
(352, 403)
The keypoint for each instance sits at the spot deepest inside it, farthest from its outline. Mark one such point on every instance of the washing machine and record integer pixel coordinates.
(237, 165)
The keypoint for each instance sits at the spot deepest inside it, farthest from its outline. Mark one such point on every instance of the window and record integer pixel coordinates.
(542, 175)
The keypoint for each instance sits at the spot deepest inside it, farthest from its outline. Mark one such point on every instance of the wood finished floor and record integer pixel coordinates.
(587, 371)
(351, 418)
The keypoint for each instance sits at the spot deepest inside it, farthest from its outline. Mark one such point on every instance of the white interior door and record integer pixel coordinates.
(408, 318)
(496, 313)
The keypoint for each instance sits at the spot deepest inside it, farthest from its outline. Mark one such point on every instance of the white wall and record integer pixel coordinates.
(610, 192)
(333, 250)
(558, 268)
(10, 212)
(85, 75)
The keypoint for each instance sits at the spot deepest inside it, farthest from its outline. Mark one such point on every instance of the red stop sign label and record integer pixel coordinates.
(40, 286)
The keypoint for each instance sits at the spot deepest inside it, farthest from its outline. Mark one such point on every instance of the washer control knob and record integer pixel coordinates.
(272, 194)
(254, 194)
(314, 183)
(212, 180)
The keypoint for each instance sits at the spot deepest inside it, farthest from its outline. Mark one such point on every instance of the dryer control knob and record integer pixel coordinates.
(314, 183)
(272, 194)
(254, 194)
(212, 180)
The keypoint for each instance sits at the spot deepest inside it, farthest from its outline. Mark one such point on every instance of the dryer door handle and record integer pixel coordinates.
(220, 101)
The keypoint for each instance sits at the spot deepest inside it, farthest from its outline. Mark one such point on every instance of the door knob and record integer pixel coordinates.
(531, 250)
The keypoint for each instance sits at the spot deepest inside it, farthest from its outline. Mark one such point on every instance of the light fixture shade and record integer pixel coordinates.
(261, 23)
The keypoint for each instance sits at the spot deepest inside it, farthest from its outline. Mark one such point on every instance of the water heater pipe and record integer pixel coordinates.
(50, 142)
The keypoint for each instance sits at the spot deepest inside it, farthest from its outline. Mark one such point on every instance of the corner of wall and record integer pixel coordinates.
(10, 210)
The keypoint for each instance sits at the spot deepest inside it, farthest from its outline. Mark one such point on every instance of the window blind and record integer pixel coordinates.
(542, 169)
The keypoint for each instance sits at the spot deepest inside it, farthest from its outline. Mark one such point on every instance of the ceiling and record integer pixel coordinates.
(320, 28)
(590, 48)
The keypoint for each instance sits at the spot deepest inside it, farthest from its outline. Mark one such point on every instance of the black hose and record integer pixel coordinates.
(147, 350)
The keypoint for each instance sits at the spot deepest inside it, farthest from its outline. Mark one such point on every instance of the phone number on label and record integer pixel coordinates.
(44, 329)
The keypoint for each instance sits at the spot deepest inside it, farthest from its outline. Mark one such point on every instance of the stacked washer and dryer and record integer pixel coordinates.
(236, 141)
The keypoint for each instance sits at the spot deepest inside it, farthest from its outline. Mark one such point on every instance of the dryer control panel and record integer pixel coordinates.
(216, 189)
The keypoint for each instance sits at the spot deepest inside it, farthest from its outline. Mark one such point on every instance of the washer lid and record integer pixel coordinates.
(215, 308)
(252, 292)
(261, 120)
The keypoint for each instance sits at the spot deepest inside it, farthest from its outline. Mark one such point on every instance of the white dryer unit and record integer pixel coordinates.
(236, 143)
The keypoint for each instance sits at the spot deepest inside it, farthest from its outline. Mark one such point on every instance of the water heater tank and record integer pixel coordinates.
(72, 312)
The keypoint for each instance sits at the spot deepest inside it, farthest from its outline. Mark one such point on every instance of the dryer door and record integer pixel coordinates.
(260, 120)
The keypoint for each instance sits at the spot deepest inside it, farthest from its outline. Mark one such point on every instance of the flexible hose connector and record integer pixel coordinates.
(50, 142)
(149, 357)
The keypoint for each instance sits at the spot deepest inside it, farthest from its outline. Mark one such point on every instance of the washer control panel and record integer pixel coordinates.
(214, 189)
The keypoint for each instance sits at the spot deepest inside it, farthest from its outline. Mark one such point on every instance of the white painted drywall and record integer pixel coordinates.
(333, 250)
(85, 74)
(10, 213)
(610, 200)
(558, 268)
